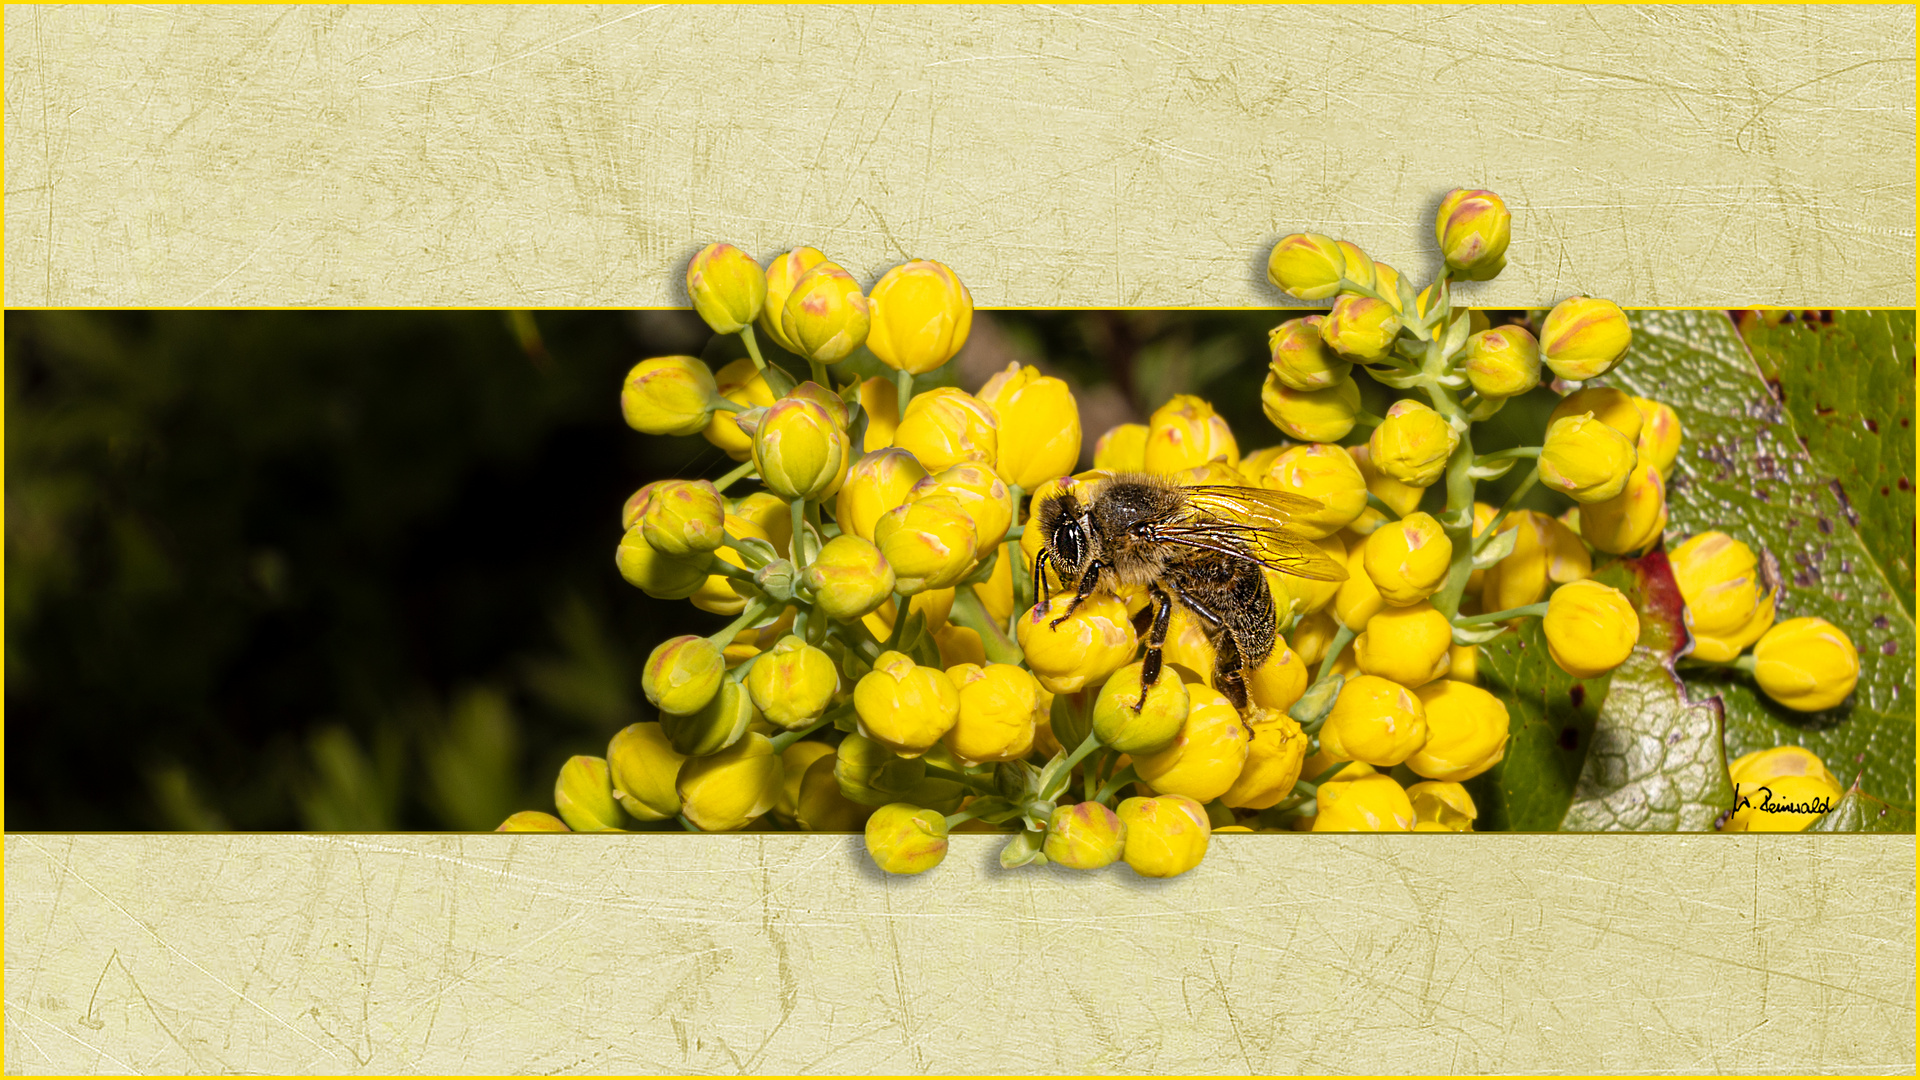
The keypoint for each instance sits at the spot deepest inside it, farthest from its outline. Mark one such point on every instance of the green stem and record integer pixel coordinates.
(961, 778)
(796, 543)
(899, 623)
(738, 471)
(727, 404)
(1120, 779)
(753, 347)
(687, 825)
(1503, 455)
(1744, 662)
(961, 818)
(788, 738)
(819, 371)
(725, 569)
(1334, 648)
(1500, 516)
(1502, 616)
(904, 379)
(1380, 504)
(970, 612)
(754, 610)
(1366, 419)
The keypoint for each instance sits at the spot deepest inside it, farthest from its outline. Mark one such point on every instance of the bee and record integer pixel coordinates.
(1206, 548)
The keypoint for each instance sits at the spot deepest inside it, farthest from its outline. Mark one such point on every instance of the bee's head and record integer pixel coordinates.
(1063, 531)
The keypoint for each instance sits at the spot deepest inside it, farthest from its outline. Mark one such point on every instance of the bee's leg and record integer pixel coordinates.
(1040, 573)
(1088, 582)
(1162, 606)
(1229, 676)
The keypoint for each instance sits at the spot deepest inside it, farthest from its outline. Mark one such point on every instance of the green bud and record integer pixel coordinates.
(1317, 701)
(1071, 718)
(820, 805)
(723, 721)
(645, 767)
(777, 579)
(533, 821)
(584, 795)
(683, 674)
(905, 839)
(872, 775)
(793, 682)
(1157, 722)
(1085, 836)
(682, 517)
(722, 792)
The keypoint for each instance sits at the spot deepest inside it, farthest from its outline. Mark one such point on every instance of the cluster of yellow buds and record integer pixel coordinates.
(892, 665)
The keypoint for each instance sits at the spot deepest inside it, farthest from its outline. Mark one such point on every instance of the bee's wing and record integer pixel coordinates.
(1259, 519)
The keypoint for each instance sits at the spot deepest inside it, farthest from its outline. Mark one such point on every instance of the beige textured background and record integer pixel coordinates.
(1090, 156)
(1423, 954)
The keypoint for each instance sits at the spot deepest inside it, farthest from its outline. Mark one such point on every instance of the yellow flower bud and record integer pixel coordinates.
(945, 427)
(1376, 721)
(682, 517)
(795, 760)
(723, 791)
(644, 767)
(799, 451)
(741, 383)
(1631, 520)
(1372, 803)
(872, 775)
(1402, 498)
(1780, 790)
(921, 316)
(818, 803)
(1582, 338)
(719, 723)
(668, 395)
(1359, 269)
(727, 287)
(1591, 628)
(1503, 362)
(1441, 806)
(792, 683)
(959, 645)
(1473, 228)
(1463, 663)
(1545, 550)
(1719, 579)
(1408, 560)
(1037, 424)
(1467, 731)
(877, 483)
(1186, 432)
(1122, 449)
(682, 674)
(929, 542)
(1326, 474)
(1274, 756)
(664, 577)
(1315, 416)
(933, 606)
(1206, 754)
(1413, 443)
(825, 317)
(1358, 599)
(1659, 441)
(996, 593)
(1763, 765)
(1609, 406)
(782, 272)
(1310, 596)
(880, 402)
(999, 711)
(532, 821)
(1320, 761)
(1410, 645)
(849, 578)
(1806, 664)
(584, 796)
(903, 706)
(1306, 266)
(904, 839)
(1253, 467)
(1154, 725)
(1313, 634)
(1279, 681)
(1301, 359)
(1360, 328)
(981, 494)
(1084, 836)
(1166, 835)
(1092, 643)
(770, 513)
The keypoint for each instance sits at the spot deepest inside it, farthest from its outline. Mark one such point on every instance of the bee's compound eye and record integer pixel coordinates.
(1067, 543)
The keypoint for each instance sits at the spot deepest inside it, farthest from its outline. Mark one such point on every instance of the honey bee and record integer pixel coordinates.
(1205, 547)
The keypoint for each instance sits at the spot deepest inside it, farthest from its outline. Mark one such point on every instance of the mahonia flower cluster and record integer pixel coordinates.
(892, 667)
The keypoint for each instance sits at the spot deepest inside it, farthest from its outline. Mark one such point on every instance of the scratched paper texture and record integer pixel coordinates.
(553, 156)
(1282, 953)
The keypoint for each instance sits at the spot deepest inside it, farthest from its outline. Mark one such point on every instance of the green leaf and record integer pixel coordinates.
(1551, 718)
(1656, 762)
(1743, 469)
(1858, 811)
